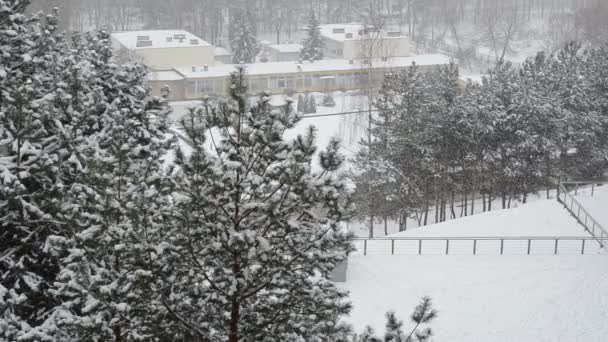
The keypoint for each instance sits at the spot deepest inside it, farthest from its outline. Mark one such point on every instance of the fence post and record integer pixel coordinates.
(393, 247)
(419, 246)
(502, 245)
(474, 247)
(364, 247)
(556, 240)
(529, 243)
(586, 216)
(592, 189)
(583, 247)
(447, 247)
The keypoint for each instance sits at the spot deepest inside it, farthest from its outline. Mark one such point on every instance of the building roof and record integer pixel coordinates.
(165, 75)
(352, 31)
(158, 39)
(287, 48)
(326, 65)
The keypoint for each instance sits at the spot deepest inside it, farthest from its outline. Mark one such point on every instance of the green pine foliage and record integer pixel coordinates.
(519, 131)
(244, 44)
(255, 227)
(312, 44)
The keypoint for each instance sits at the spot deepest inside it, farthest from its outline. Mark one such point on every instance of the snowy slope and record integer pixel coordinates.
(539, 218)
(487, 299)
(542, 220)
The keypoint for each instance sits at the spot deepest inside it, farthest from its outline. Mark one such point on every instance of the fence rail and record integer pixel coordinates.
(478, 245)
(583, 185)
(581, 214)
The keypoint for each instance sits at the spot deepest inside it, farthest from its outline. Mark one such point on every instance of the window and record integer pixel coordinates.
(285, 83)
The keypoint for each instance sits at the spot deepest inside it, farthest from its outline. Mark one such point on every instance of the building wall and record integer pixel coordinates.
(297, 83)
(333, 48)
(164, 59)
(194, 89)
(386, 47)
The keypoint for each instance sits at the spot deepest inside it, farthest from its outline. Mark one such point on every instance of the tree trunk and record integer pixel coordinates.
(385, 226)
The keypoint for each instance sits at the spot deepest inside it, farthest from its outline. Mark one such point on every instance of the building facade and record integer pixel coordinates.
(163, 49)
(357, 41)
(288, 77)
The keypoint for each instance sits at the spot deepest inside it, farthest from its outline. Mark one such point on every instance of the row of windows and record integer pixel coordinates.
(259, 84)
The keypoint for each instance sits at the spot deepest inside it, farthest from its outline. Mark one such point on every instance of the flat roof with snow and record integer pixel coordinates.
(158, 39)
(165, 75)
(353, 31)
(327, 65)
(287, 48)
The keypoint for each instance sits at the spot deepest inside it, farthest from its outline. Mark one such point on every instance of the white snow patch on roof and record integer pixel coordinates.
(158, 39)
(166, 75)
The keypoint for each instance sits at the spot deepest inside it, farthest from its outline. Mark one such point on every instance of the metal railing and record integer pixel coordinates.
(581, 214)
(583, 185)
(478, 245)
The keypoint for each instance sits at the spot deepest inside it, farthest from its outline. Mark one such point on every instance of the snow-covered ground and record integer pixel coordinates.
(349, 128)
(546, 298)
(525, 298)
(361, 228)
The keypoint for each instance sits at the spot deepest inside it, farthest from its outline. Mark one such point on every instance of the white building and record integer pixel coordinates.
(163, 49)
(222, 55)
(357, 41)
(283, 52)
(191, 83)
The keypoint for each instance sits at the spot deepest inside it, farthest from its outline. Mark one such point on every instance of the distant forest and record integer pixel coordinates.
(450, 26)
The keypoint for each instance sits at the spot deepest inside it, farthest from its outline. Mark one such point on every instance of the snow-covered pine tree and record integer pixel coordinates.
(244, 44)
(312, 103)
(31, 183)
(312, 44)
(118, 139)
(368, 335)
(394, 328)
(256, 229)
(301, 107)
(328, 100)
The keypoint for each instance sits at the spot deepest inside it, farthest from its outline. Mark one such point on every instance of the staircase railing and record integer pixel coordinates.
(576, 209)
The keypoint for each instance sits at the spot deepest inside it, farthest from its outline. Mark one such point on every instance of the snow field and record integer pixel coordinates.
(540, 298)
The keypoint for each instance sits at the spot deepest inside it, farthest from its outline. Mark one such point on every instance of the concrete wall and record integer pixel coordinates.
(165, 59)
